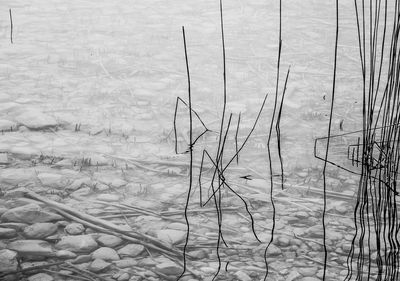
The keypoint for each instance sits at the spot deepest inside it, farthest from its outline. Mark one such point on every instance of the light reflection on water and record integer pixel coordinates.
(93, 61)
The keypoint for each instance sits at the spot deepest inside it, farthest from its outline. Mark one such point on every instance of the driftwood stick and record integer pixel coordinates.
(80, 277)
(88, 274)
(155, 162)
(102, 223)
(32, 268)
(105, 230)
(105, 226)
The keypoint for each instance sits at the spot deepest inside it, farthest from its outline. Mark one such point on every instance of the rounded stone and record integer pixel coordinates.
(169, 268)
(6, 233)
(99, 265)
(309, 279)
(74, 228)
(243, 276)
(283, 241)
(65, 254)
(77, 243)
(32, 248)
(308, 271)
(106, 254)
(40, 277)
(128, 262)
(108, 197)
(108, 240)
(30, 213)
(121, 276)
(82, 259)
(131, 250)
(40, 230)
(8, 260)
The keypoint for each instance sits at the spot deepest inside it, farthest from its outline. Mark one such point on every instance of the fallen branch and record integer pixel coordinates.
(31, 268)
(88, 274)
(103, 224)
(308, 239)
(320, 262)
(331, 194)
(68, 275)
(105, 230)
(156, 162)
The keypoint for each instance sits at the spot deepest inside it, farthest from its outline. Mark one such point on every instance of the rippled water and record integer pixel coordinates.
(99, 63)
(116, 67)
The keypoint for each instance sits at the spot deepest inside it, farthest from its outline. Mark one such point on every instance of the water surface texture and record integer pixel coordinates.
(87, 101)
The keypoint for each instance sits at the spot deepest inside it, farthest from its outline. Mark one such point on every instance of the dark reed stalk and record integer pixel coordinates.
(191, 155)
(248, 135)
(219, 153)
(236, 139)
(277, 129)
(224, 81)
(328, 139)
(376, 207)
(219, 166)
(234, 192)
(178, 99)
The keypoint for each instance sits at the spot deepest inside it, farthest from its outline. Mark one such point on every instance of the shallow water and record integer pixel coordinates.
(110, 73)
(92, 62)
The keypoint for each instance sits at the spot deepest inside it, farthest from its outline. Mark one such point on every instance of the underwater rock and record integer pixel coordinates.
(171, 236)
(307, 271)
(8, 260)
(273, 250)
(40, 277)
(53, 180)
(108, 197)
(116, 183)
(99, 265)
(35, 119)
(4, 158)
(242, 276)
(30, 213)
(108, 240)
(125, 263)
(309, 279)
(169, 268)
(6, 233)
(82, 259)
(123, 277)
(7, 125)
(40, 230)
(15, 176)
(32, 248)
(14, 225)
(65, 254)
(74, 228)
(106, 254)
(77, 243)
(24, 152)
(131, 250)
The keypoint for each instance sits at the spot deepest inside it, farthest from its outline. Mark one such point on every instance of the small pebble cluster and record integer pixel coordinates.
(38, 244)
(32, 235)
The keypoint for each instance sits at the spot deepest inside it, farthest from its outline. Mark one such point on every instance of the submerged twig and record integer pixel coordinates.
(100, 223)
(31, 268)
